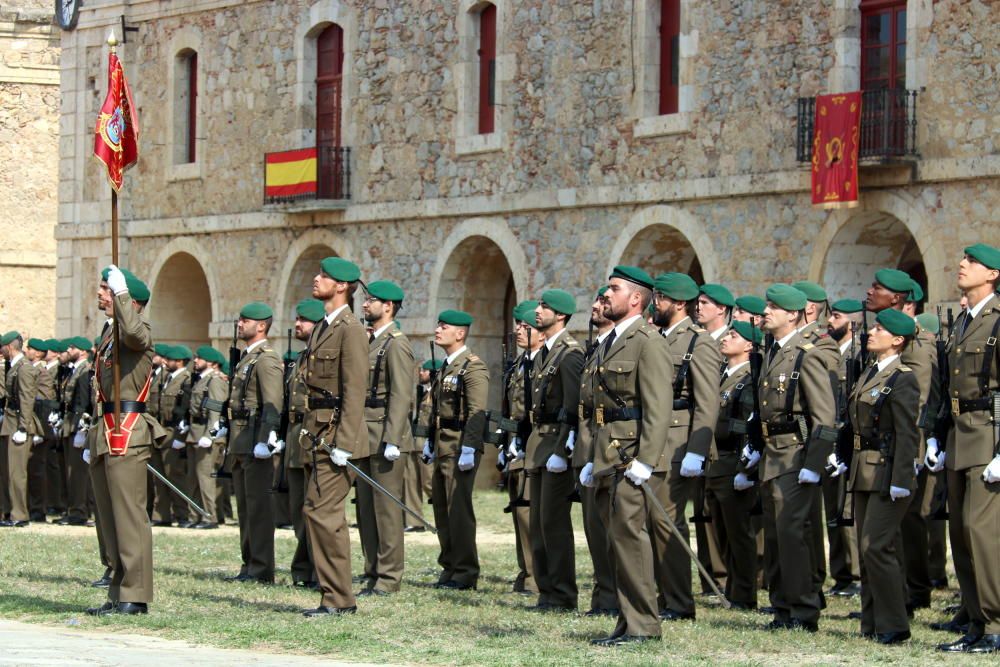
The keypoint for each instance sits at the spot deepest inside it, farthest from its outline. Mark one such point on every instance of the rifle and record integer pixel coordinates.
(431, 428)
(223, 471)
(943, 419)
(501, 435)
(281, 483)
(755, 434)
(523, 430)
(845, 437)
(864, 339)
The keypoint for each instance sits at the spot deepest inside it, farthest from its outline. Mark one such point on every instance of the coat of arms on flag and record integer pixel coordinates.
(116, 137)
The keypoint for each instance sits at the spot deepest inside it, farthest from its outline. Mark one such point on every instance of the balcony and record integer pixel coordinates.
(308, 179)
(888, 127)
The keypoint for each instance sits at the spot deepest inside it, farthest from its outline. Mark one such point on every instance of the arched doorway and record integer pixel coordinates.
(298, 287)
(868, 242)
(660, 248)
(181, 303)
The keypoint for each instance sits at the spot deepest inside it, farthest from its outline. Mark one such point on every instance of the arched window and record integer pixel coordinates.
(487, 53)
(670, 36)
(185, 107)
(329, 84)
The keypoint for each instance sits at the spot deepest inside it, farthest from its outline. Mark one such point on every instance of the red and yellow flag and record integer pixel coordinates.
(835, 150)
(290, 173)
(116, 137)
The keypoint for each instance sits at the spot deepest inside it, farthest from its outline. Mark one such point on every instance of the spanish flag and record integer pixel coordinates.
(290, 174)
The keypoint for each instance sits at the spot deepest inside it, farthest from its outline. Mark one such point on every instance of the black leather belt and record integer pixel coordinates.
(971, 404)
(295, 417)
(374, 402)
(863, 444)
(199, 420)
(324, 402)
(546, 418)
(450, 424)
(604, 416)
(779, 428)
(682, 404)
(127, 407)
(242, 414)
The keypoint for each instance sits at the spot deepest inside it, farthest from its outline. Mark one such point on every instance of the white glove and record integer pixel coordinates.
(587, 476)
(53, 418)
(638, 472)
(204, 441)
(339, 457)
(501, 461)
(897, 492)
(934, 458)
(752, 456)
(279, 446)
(835, 465)
(86, 456)
(116, 280)
(183, 427)
(391, 452)
(692, 465)
(84, 423)
(807, 476)
(221, 432)
(741, 482)
(512, 448)
(917, 467)
(467, 459)
(179, 444)
(570, 442)
(37, 439)
(19, 437)
(261, 451)
(556, 464)
(992, 472)
(79, 439)
(428, 454)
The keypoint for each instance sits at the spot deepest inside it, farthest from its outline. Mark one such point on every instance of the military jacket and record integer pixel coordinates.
(75, 389)
(390, 395)
(46, 400)
(175, 401)
(208, 396)
(898, 420)
(920, 356)
(461, 405)
(972, 441)
(812, 401)
(153, 401)
(254, 399)
(298, 395)
(583, 452)
(826, 347)
(515, 401)
(19, 413)
(337, 378)
(555, 394)
(735, 408)
(696, 406)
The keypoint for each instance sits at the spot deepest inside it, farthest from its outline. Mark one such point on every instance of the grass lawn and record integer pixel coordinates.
(44, 572)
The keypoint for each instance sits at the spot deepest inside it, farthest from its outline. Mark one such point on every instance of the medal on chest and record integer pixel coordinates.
(874, 393)
(781, 383)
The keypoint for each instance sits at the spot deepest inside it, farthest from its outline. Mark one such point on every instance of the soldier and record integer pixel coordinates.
(4, 497)
(159, 494)
(883, 412)
(337, 378)
(553, 411)
(459, 423)
(120, 444)
(175, 403)
(604, 597)
(749, 308)
(76, 409)
(46, 409)
(973, 449)
(798, 423)
(387, 415)
(632, 416)
(57, 362)
(20, 425)
(695, 384)
(254, 404)
(417, 477)
(730, 493)
(208, 397)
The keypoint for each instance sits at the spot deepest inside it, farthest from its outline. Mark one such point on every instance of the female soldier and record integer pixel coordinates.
(883, 410)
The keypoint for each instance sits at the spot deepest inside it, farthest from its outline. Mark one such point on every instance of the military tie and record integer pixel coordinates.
(607, 343)
(871, 374)
(544, 353)
(772, 352)
(964, 325)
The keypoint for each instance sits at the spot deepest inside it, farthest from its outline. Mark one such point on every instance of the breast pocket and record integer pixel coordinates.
(326, 363)
(618, 375)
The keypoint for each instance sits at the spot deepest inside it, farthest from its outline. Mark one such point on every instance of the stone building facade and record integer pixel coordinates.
(29, 132)
(581, 171)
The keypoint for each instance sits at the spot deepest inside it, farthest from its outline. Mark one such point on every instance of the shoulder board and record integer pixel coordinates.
(697, 329)
(807, 346)
(646, 330)
(473, 357)
(905, 369)
(265, 348)
(395, 333)
(571, 342)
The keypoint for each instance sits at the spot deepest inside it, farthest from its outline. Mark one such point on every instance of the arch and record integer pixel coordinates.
(301, 264)
(665, 238)
(888, 229)
(181, 309)
(200, 255)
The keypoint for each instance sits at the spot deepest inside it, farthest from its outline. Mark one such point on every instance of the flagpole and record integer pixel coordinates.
(115, 365)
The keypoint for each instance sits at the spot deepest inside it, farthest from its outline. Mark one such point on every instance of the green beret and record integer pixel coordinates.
(813, 291)
(525, 312)
(182, 353)
(256, 310)
(748, 331)
(894, 280)
(340, 269)
(385, 290)
(633, 274)
(225, 366)
(986, 255)
(718, 294)
(916, 292)
(456, 318)
(929, 322)
(847, 306)
(37, 344)
(209, 353)
(161, 349)
(166, 351)
(896, 322)
(79, 342)
(97, 342)
(559, 300)
(9, 337)
(137, 289)
(55, 345)
(786, 297)
(752, 304)
(677, 286)
(432, 364)
(601, 292)
(310, 309)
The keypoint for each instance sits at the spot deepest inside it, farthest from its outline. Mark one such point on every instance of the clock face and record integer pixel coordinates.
(67, 13)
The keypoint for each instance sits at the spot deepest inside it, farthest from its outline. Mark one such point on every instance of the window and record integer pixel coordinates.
(883, 44)
(482, 73)
(670, 36)
(487, 53)
(186, 107)
(663, 51)
(329, 84)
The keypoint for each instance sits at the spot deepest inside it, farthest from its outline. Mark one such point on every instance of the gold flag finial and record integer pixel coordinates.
(112, 40)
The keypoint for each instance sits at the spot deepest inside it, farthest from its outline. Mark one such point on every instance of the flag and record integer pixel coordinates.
(835, 150)
(290, 174)
(116, 137)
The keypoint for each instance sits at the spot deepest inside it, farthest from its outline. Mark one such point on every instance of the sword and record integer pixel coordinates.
(371, 482)
(192, 504)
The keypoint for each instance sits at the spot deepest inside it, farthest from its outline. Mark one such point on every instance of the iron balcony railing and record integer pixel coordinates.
(888, 125)
(314, 173)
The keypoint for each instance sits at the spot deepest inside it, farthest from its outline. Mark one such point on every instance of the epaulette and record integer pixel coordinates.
(905, 369)
(395, 333)
(571, 342)
(807, 346)
(695, 328)
(473, 357)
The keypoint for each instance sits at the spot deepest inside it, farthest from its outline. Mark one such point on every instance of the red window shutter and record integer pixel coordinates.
(329, 75)
(487, 67)
(883, 44)
(670, 36)
(192, 115)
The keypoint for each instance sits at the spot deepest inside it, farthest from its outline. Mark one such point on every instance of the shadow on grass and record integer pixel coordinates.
(55, 578)
(19, 604)
(493, 631)
(240, 602)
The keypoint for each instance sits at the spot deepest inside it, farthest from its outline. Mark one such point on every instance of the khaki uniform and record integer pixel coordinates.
(175, 401)
(461, 390)
(518, 489)
(632, 411)
(254, 411)
(555, 399)
(417, 474)
(120, 481)
(159, 498)
(387, 416)
(337, 378)
(208, 396)
(75, 403)
(974, 504)
(19, 414)
(877, 517)
(695, 412)
(4, 476)
(302, 568)
(799, 438)
(46, 402)
(730, 509)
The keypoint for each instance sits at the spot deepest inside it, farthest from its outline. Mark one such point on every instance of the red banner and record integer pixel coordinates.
(835, 150)
(116, 137)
